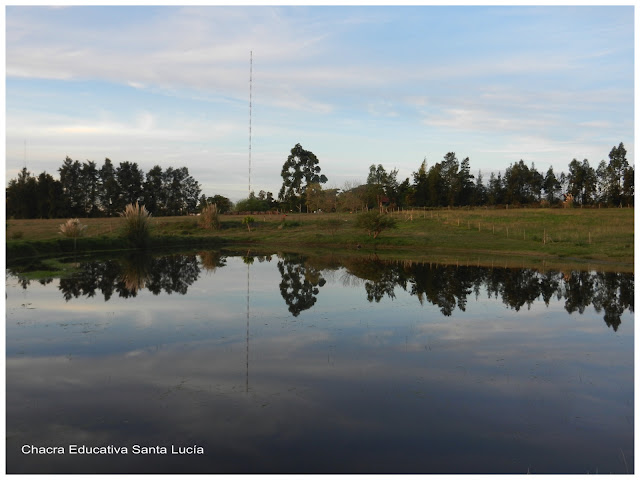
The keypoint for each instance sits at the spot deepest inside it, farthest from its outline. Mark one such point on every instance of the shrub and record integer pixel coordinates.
(375, 222)
(248, 220)
(72, 228)
(137, 225)
(209, 217)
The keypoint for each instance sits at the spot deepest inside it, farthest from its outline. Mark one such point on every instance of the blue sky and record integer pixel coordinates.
(356, 85)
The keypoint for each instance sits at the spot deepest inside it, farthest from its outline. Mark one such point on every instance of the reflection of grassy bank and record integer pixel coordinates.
(539, 236)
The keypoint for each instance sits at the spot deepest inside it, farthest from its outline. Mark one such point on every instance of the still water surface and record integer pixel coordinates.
(274, 364)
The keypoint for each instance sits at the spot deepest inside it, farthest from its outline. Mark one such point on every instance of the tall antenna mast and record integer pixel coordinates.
(250, 99)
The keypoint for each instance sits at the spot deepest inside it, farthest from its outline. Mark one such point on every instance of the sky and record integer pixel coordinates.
(356, 85)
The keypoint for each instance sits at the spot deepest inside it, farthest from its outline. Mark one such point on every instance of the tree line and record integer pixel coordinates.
(449, 183)
(86, 190)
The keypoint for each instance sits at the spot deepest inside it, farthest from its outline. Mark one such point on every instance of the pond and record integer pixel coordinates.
(215, 363)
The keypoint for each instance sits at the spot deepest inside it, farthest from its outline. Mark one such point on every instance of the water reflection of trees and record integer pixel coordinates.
(128, 275)
(300, 283)
(446, 286)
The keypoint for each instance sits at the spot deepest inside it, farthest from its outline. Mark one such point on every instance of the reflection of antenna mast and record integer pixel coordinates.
(247, 376)
(250, 94)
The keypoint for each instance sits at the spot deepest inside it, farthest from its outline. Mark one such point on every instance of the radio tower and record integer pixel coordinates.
(250, 92)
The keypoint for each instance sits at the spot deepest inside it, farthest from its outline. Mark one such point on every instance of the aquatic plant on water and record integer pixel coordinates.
(137, 224)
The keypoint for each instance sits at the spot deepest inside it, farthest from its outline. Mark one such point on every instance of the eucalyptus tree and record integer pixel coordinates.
(551, 186)
(450, 178)
(300, 170)
(382, 185)
(517, 183)
(611, 176)
(581, 181)
(628, 185)
(180, 190)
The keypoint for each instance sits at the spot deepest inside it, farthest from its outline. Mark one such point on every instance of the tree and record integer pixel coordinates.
(479, 196)
(314, 196)
(420, 185)
(21, 196)
(108, 194)
(352, 197)
(252, 204)
(48, 197)
(551, 186)
(495, 192)
(405, 194)
(129, 179)
(536, 181)
(224, 204)
(627, 185)
(611, 177)
(382, 187)
(375, 222)
(581, 181)
(300, 170)
(450, 181)
(516, 183)
(436, 189)
(180, 191)
(70, 174)
(191, 192)
(465, 184)
(90, 186)
(153, 192)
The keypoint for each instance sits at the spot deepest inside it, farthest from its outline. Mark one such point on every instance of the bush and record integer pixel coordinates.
(137, 225)
(72, 228)
(375, 222)
(248, 220)
(209, 217)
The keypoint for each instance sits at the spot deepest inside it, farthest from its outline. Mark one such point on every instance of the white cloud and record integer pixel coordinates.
(317, 79)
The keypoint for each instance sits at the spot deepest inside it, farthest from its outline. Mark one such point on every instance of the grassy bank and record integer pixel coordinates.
(585, 236)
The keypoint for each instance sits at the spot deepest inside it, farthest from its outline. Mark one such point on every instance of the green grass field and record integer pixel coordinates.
(603, 237)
